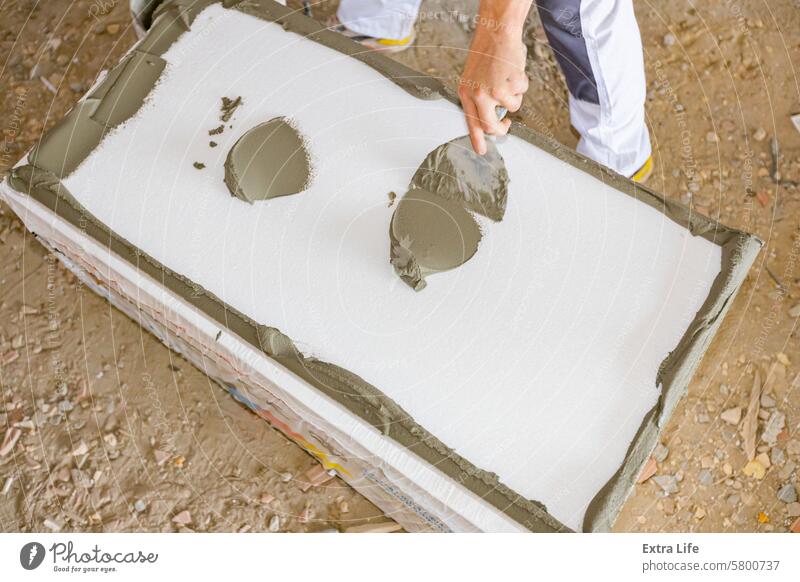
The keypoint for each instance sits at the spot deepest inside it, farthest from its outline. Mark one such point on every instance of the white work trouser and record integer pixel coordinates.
(598, 45)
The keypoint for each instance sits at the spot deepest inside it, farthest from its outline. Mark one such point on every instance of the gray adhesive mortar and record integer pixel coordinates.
(48, 163)
(268, 161)
(432, 229)
(430, 234)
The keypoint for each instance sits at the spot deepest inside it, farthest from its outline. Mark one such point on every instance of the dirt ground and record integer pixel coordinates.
(105, 429)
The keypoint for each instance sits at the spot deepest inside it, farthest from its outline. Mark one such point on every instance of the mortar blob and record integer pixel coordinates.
(430, 234)
(454, 171)
(268, 161)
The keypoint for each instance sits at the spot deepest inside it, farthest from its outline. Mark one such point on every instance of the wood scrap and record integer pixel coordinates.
(750, 424)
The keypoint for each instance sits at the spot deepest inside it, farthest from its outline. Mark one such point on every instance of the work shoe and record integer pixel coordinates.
(387, 45)
(642, 174)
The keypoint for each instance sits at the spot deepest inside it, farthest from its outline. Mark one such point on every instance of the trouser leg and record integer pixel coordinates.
(392, 19)
(599, 48)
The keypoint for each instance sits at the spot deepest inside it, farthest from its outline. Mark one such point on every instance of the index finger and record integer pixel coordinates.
(476, 134)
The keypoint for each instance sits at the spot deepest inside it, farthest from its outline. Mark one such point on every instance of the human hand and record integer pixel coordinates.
(494, 75)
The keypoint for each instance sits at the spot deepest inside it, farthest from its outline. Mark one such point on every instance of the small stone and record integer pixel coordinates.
(783, 359)
(110, 439)
(183, 518)
(732, 415)
(774, 426)
(795, 311)
(641, 520)
(760, 134)
(668, 40)
(754, 469)
(727, 469)
(286, 477)
(793, 509)
(767, 401)
(266, 498)
(787, 493)
(81, 449)
(179, 461)
(660, 453)
(668, 505)
(274, 524)
(199, 165)
(699, 513)
(344, 506)
(648, 470)
(706, 477)
(796, 121)
(711, 137)
(161, 456)
(776, 456)
(139, 506)
(763, 458)
(52, 525)
(112, 28)
(668, 483)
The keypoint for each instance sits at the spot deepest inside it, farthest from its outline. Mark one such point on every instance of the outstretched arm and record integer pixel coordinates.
(494, 73)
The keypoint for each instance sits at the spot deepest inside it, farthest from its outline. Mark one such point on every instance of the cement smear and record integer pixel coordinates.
(454, 171)
(268, 161)
(430, 234)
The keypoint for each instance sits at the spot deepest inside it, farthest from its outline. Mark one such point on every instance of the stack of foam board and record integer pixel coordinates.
(521, 391)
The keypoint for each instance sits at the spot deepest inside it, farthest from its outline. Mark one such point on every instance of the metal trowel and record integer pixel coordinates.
(455, 172)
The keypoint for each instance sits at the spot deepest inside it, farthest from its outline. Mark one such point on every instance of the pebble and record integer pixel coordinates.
(648, 470)
(668, 483)
(754, 469)
(139, 506)
(668, 40)
(112, 28)
(706, 478)
(699, 513)
(711, 137)
(760, 134)
(732, 415)
(767, 401)
(793, 509)
(286, 477)
(183, 518)
(795, 311)
(775, 424)
(81, 449)
(787, 493)
(52, 525)
(274, 523)
(161, 456)
(660, 453)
